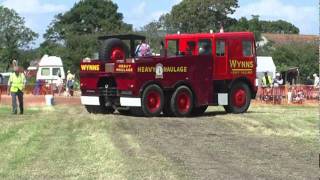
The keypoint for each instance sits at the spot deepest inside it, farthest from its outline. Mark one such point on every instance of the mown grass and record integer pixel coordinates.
(68, 143)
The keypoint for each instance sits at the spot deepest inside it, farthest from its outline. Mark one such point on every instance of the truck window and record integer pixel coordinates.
(173, 48)
(45, 72)
(56, 71)
(220, 48)
(247, 48)
(205, 47)
(191, 48)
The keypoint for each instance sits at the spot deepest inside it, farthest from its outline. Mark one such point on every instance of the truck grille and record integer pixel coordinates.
(110, 91)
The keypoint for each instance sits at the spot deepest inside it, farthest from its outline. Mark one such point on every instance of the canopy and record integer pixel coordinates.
(265, 64)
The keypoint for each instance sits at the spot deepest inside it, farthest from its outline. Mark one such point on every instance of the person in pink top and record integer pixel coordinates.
(143, 49)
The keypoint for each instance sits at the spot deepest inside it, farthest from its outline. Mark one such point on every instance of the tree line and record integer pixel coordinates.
(73, 35)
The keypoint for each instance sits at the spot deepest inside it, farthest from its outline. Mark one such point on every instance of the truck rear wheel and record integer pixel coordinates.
(152, 101)
(182, 102)
(239, 98)
(113, 49)
(99, 109)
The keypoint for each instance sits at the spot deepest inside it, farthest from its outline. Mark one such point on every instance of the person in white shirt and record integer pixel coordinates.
(278, 81)
(59, 84)
(316, 83)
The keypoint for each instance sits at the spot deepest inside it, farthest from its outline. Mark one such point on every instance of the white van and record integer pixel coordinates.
(49, 69)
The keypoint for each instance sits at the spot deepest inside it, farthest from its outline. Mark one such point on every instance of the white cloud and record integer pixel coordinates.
(305, 17)
(33, 6)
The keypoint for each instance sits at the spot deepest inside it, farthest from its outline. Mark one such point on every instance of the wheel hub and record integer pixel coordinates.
(183, 102)
(239, 98)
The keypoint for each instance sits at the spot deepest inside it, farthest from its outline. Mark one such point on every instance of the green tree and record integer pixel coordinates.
(76, 31)
(199, 15)
(279, 26)
(14, 36)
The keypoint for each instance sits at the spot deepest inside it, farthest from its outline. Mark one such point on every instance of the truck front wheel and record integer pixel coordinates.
(152, 101)
(182, 102)
(239, 98)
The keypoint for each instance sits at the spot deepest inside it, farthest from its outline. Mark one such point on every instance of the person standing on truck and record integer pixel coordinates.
(16, 85)
(70, 83)
(143, 49)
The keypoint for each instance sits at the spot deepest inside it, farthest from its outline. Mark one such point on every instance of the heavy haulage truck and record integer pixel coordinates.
(193, 71)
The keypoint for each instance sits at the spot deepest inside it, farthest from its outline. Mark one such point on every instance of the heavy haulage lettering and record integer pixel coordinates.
(166, 69)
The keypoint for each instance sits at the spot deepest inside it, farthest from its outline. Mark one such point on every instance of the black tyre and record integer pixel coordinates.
(99, 109)
(239, 98)
(198, 111)
(182, 102)
(113, 49)
(166, 108)
(124, 111)
(152, 101)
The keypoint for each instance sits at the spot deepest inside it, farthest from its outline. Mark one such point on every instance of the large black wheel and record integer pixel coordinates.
(198, 111)
(182, 102)
(99, 109)
(238, 99)
(113, 49)
(152, 101)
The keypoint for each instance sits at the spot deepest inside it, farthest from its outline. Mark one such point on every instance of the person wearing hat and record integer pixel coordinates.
(16, 85)
(278, 81)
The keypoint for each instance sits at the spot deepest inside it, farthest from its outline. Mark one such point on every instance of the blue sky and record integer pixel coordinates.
(39, 13)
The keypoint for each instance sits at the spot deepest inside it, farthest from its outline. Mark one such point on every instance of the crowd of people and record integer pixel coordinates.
(274, 89)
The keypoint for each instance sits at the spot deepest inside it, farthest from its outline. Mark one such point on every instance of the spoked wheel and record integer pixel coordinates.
(239, 98)
(182, 102)
(152, 100)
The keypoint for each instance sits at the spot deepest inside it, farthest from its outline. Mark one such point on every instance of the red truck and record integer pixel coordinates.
(193, 71)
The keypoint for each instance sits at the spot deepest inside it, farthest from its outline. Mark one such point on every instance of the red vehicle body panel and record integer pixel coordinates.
(199, 72)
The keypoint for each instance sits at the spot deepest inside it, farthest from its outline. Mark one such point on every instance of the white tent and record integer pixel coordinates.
(265, 64)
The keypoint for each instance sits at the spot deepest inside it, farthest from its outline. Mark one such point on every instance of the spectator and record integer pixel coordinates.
(316, 83)
(70, 83)
(266, 80)
(1, 79)
(59, 84)
(309, 81)
(278, 81)
(143, 49)
(36, 90)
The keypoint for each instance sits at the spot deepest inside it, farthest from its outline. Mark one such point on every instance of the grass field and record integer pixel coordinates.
(268, 142)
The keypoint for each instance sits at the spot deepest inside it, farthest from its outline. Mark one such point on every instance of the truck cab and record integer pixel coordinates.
(194, 72)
